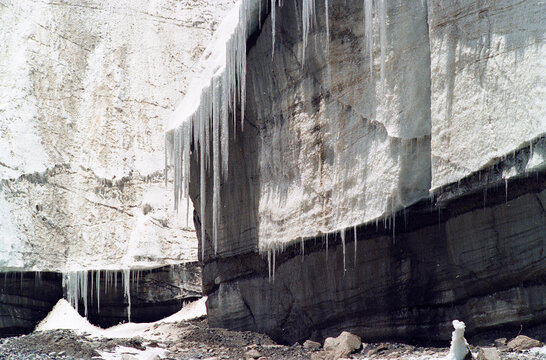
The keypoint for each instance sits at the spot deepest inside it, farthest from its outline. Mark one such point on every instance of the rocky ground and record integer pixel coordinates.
(194, 339)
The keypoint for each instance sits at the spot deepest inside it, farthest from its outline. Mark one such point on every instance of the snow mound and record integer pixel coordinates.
(64, 316)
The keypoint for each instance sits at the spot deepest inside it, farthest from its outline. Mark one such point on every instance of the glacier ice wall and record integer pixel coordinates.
(351, 125)
(86, 88)
(488, 84)
(305, 186)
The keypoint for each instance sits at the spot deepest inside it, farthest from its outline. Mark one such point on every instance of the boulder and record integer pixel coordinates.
(343, 345)
(522, 342)
(311, 345)
(488, 353)
(253, 354)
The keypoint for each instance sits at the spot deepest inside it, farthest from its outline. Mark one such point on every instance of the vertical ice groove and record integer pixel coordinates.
(382, 39)
(273, 5)
(368, 35)
(327, 27)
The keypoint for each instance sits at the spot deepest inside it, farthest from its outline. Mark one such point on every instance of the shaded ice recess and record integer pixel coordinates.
(200, 126)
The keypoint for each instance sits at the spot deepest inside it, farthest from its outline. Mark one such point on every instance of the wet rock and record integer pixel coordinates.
(522, 342)
(488, 353)
(311, 345)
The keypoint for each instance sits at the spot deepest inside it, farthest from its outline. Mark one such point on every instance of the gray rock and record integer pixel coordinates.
(253, 354)
(522, 342)
(311, 345)
(343, 345)
(488, 353)
(500, 342)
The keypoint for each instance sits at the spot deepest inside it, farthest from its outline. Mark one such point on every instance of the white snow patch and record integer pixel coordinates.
(64, 316)
(539, 352)
(151, 353)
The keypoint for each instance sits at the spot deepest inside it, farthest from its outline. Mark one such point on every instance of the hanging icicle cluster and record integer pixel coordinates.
(205, 115)
(78, 284)
(202, 121)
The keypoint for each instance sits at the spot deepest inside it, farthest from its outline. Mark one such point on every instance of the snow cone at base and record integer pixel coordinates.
(459, 346)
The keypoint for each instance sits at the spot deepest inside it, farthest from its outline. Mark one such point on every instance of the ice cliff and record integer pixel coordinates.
(367, 122)
(85, 87)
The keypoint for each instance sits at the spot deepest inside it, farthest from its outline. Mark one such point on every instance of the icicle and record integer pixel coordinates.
(307, 11)
(394, 228)
(75, 285)
(342, 233)
(202, 189)
(326, 247)
(224, 119)
(217, 91)
(273, 5)
(83, 289)
(126, 279)
(269, 263)
(97, 287)
(302, 249)
(368, 8)
(382, 39)
(354, 229)
(505, 190)
(274, 257)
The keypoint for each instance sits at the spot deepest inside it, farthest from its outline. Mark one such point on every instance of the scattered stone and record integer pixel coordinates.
(335, 348)
(253, 354)
(380, 348)
(488, 353)
(345, 342)
(311, 345)
(522, 342)
(500, 342)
